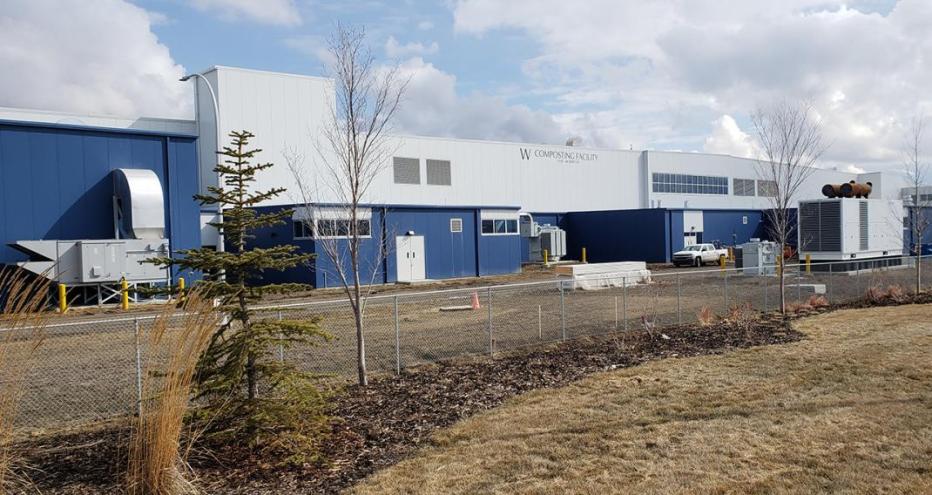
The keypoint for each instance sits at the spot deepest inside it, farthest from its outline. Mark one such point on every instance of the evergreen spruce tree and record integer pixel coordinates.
(240, 355)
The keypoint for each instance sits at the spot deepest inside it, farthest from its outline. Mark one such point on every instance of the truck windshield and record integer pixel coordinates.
(694, 247)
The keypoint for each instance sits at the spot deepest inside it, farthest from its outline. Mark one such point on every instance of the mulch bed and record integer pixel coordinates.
(379, 425)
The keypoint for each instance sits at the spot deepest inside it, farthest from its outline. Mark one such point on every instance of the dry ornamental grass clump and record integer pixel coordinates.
(157, 457)
(818, 301)
(23, 316)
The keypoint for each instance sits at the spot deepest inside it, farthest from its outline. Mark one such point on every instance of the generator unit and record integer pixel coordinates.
(759, 257)
(848, 229)
(541, 237)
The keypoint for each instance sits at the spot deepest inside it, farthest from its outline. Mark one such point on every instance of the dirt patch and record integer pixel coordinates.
(377, 426)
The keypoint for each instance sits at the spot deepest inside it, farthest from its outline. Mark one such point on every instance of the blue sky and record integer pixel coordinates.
(665, 74)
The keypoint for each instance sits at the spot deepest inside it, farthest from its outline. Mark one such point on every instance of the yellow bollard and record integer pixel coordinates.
(584, 255)
(808, 265)
(181, 288)
(546, 257)
(721, 262)
(124, 294)
(731, 254)
(62, 298)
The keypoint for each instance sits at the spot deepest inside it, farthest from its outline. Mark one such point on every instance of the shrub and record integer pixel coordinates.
(876, 294)
(798, 308)
(817, 301)
(896, 294)
(741, 316)
(705, 316)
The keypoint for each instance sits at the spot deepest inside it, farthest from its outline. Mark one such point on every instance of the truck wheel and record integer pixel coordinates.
(698, 262)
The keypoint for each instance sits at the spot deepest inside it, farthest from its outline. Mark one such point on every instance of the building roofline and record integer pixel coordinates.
(56, 113)
(215, 68)
(95, 128)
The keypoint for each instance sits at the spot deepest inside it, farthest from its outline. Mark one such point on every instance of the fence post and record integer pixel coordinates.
(397, 339)
(725, 286)
(281, 347)
(679, 314)
(540, 331)
(799, 281)
(766, 288)
(138, 369)
(562, 311)
(491, 343)
(829, 283)
(616, 312)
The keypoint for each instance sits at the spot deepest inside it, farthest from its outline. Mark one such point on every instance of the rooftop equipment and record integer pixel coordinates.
(847, 190)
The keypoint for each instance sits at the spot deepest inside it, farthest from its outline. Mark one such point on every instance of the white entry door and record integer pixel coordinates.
(409, 257)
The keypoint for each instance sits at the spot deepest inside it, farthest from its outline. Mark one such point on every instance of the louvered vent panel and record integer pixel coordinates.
(830, 226)
(809, 235)
(864, 225)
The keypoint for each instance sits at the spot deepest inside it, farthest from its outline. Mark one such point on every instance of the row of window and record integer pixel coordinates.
(502, 226)
(408, 171)
(689, 184)
(330, 228)
(702, 184)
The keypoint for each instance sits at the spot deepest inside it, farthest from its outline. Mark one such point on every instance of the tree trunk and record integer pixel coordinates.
(781, 271)
(360, 347)
(252, 380)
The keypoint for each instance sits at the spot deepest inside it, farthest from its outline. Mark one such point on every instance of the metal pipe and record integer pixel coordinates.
(624, 297)
(540, 331)
(562, 311)
(213, 98)
(679, 314)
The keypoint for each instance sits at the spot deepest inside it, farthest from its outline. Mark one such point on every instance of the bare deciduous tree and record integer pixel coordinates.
(790, 141)
(354, 148)
(916, 171)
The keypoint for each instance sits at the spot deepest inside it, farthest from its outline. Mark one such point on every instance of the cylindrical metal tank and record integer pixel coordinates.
(854, 190)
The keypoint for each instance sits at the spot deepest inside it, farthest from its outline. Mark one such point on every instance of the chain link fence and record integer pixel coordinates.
(90, 371)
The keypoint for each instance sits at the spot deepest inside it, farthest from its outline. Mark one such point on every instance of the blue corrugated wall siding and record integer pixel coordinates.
(56, 182)
(448, 254)
(618, 235)
(725, 226)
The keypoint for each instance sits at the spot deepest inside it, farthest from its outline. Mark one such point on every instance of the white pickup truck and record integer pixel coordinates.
(698, 255)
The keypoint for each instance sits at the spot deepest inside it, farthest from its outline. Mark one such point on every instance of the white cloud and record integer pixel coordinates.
(313, 46)
(657, 72)
(432, 107)
(395, 49)
(728, 139)
(278, 12)
(90, 57)
(425, 25)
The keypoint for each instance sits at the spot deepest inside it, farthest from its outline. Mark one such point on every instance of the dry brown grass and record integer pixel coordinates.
(157, 458)
(817, 301)
(847, 410)
(23, 317)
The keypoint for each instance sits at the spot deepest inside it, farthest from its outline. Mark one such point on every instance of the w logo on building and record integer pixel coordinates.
(525, 154)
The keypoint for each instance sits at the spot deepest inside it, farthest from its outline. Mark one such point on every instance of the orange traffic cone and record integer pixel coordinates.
(475, 300)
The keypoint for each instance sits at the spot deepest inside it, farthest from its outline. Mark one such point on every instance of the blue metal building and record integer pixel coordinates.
(55, 182)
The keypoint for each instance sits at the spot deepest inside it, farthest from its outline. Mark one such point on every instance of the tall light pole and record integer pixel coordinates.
(213, 98)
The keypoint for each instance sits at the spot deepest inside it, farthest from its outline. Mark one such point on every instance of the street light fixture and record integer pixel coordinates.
(213, 97)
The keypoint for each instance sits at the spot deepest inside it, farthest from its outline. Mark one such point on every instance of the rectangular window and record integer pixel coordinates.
(743, 187)
(438, 172)
(407, 170)
(766, 188)
(456, 225)
(301, 230)
(499, 223)
(330, 227)
(689, 184)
